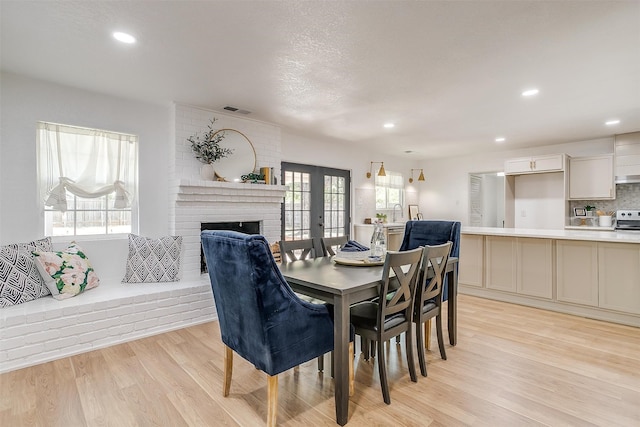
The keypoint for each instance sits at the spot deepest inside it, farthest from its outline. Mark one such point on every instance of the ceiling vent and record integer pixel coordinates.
(236, 110)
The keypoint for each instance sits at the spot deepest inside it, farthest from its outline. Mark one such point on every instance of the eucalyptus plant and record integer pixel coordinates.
(207, 147)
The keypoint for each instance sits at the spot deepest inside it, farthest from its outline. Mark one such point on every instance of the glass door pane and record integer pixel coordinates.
(317, 202)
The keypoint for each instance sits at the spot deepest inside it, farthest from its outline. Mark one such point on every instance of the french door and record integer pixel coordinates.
(317, 203)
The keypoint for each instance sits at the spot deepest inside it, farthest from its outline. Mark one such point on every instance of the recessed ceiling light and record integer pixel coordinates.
(389, 125)
(124, 37)
(500, 139)
(530, 92)
(611, 122)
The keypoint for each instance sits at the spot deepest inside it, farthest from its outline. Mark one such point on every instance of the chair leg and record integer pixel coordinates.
(364, 348)
(408, 346)
(398, 339)
(272, 400)
(420, 347)
(427, 334)
(382, 369)
(228, 370)
(352, 388)
(321, 363)
(443, 354)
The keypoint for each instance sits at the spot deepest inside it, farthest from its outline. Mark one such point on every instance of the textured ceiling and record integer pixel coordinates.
(448, 73)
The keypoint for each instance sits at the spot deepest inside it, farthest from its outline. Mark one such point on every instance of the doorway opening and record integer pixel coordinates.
(486, 199)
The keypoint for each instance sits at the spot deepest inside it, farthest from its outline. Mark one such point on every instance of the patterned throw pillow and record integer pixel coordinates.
(66, 273)
(20, 280)
(153, 260)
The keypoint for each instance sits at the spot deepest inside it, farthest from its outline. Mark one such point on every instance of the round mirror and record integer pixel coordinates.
(240, 162)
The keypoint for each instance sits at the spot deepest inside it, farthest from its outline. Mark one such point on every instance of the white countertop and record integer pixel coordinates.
(590, 235)
(384, 224)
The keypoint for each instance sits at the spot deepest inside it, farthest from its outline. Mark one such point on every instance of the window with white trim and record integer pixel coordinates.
(87, 180)
(389, 190)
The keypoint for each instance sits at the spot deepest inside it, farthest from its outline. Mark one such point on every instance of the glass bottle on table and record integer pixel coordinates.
(378, 241)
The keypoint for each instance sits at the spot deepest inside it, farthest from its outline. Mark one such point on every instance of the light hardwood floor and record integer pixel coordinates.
(513, 366)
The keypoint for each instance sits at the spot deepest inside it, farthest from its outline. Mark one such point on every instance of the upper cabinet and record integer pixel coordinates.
(591, 178)
(535, 164)
(627, 149)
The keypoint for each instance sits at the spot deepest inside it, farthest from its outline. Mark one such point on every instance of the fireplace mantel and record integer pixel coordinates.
(215, 191)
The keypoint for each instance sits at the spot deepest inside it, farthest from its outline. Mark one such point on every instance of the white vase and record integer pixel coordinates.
(207, 172)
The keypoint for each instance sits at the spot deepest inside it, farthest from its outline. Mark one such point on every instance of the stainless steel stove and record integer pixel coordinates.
(628, 219)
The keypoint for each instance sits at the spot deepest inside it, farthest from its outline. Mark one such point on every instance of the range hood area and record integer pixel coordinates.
(627, 158)
(627, 179)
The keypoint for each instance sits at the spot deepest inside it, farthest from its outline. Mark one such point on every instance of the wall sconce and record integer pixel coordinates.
(420, 178)
(381, 172)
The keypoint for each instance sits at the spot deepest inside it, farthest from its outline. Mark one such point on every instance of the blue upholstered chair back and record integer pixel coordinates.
(432, 233)
(422, 233)
(260, 317)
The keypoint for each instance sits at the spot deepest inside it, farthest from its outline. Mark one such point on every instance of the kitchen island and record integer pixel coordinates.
(588, 273)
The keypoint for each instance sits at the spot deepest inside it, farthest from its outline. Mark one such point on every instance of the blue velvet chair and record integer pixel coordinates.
(432, 233)
(261, 319)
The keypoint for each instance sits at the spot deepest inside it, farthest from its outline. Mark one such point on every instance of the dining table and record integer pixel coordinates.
(343, 286)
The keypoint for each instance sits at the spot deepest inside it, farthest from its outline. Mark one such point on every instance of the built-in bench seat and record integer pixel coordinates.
(47, 329)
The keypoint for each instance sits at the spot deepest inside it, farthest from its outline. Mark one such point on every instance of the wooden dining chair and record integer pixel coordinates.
(294, 250)
(329, 243)
(387, 317)
(428, 299)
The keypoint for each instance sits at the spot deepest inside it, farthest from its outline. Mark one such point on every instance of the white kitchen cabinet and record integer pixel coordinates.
(470, 270)
(535, 164)
(534, 267)
(519, 265)
(591, 178)
(627, 149)
(618, 272)
(577, 272)
(501, 263)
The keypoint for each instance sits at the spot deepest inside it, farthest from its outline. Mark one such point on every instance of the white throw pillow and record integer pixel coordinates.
(20, 280)
(153, 260)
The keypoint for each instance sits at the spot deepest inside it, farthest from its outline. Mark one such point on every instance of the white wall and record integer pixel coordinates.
(445, 194)
(25, 101)
(540, 201)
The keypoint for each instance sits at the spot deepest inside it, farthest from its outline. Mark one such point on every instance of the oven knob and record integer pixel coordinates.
(623, 214)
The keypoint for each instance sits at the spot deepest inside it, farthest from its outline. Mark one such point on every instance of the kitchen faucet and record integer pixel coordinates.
(393, 214)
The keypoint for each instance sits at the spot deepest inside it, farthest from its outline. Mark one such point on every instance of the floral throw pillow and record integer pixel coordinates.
(66, 273)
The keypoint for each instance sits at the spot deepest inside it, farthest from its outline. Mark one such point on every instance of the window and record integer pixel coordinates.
(87, 180)
(389, 190)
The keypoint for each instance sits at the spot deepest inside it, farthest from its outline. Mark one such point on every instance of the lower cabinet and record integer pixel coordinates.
(577, 272)
(501, 263)
(618, 273)
(471, 268)
(534, 267)
(520, 265)
(603, 277)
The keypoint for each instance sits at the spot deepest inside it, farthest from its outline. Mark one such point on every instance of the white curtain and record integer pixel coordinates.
(88, 163)
(389, 190)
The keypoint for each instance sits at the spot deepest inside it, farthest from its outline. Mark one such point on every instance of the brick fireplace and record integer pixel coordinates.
(200, 202)
(194, 201)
